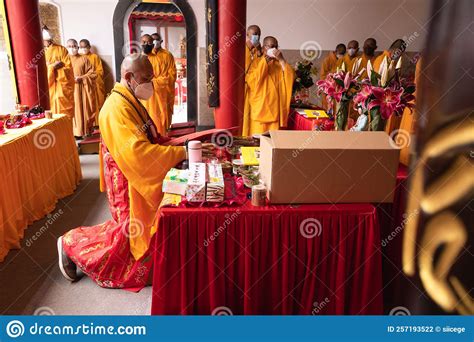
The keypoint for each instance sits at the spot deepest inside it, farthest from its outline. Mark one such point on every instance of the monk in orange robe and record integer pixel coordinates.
(84, 91)
(94, 59)
(352, 54)
(60, 76)
(329, 65)
(370, 45)
(161, 105)
(394, 53)
(116, 254)
(270, 85)
(253, 52)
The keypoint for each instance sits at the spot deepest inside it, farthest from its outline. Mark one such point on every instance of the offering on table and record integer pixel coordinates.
(37, 112)
(196, 188)
(48, 114)
(226, 166)
(215, 185)
(176, 182)
(250, 176)
(259, 195)
(237, 166)
(250, 155)
(194, 151)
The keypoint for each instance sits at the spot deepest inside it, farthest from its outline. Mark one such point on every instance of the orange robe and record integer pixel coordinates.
(363, 63)
(99, 81)
(160, 106)
(349, 61)
(251, 60)
(379, 59)
(328, 65)
(84, 96)
(270, 86)
(60, 81)
(144, 164)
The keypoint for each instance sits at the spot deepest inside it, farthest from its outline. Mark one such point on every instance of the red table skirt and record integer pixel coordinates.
(298, 122)
(250, 260)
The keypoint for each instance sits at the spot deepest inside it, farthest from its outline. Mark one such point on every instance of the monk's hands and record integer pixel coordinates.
(279, 55)
(57, 64)
(78, 79)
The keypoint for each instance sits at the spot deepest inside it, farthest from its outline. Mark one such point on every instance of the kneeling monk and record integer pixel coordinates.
(116, 254)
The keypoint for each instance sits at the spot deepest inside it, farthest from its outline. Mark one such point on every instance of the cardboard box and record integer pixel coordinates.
(328, 167)
(215, 184)
(196, 189)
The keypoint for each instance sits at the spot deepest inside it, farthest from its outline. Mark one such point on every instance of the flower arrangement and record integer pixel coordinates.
(384, 94)
(304, 71)
(339, 88)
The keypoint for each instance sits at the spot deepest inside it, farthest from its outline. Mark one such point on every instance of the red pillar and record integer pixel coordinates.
(28, 54)
(232, 17)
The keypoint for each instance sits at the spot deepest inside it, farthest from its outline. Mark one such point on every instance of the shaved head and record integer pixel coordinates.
(270, 42)
(156, 36)
(397, 48)
(85, 43)
(370, 45)
(146, 39)
(353, 44)
(340, 49)
(253, 30)
(72, 42)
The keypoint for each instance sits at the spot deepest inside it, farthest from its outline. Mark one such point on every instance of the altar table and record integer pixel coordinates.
(39, 165)
(277, 259)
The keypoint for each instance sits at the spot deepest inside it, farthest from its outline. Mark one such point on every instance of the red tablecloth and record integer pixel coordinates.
(268, 260)
(298, 122)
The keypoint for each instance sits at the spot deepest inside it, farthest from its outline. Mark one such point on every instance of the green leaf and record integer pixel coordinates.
(374, 77)
(339, 82)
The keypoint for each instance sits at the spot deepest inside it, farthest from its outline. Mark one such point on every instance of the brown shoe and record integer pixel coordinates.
(66, 265)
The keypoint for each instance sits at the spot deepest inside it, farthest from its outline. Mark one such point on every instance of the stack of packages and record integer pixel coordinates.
(198, 184)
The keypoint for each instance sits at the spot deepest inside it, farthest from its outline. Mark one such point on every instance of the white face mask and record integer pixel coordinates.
(83, 51)
(157, 43)
(351, 52)
(72, 51)
(143, 91)
(271, 52)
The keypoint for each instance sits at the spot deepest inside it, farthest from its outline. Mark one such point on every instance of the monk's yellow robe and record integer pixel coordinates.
(270, 86)
(160, 106)
(84, 96)
(99, 81)
(349, 61)
(144, 164)
(60, 81)
(251, 59)
(407, 125)
(379, 59)
(363, 64)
